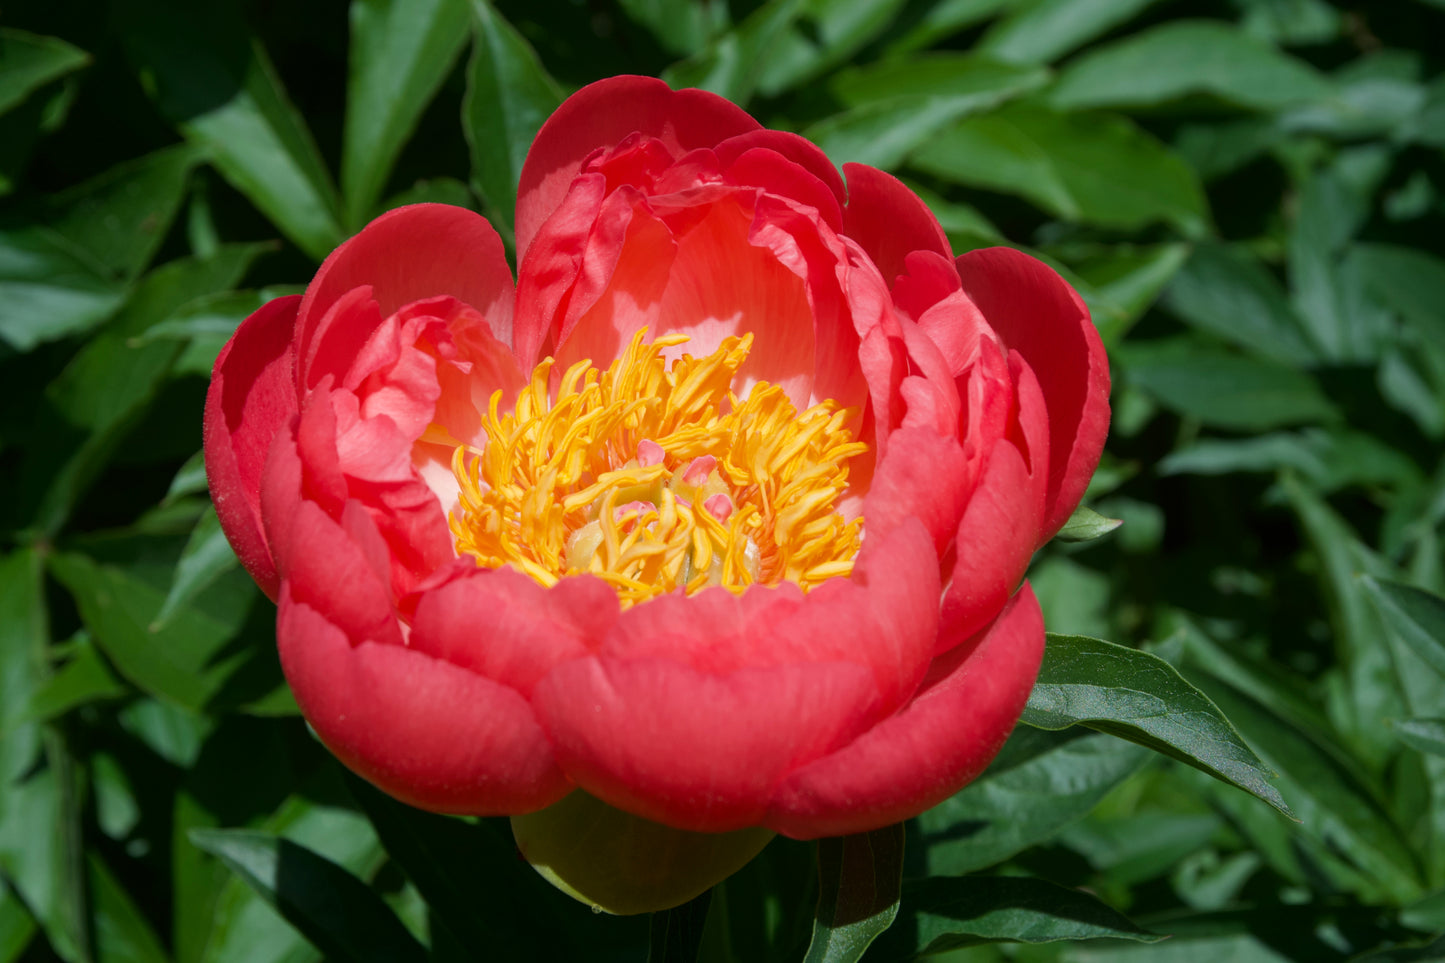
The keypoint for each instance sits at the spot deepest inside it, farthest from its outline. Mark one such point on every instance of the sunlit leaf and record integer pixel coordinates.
(1090, 168)
(509, 96)
(335, 910)
(1039, 783)
(401, 51)
(1138, 696)
(1183, 57)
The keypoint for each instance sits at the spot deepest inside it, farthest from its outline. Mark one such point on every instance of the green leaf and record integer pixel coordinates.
(121, 930)
(39, 804)
(188, 660)
(1086, 525)
(1334, 807)
(120, 218)
(214, 81)
(108, 386)
(17, 926)
(86, 678)
(1138, 696)
(498, 912)
(1329, 285)
(29, 62)
(732, 63)
(1227, 292)
(859, 881)
(1292, 22)
(1038, 784)
(333, 909)
(1374, 691)
(1426, 735)
(1415, 618)
(1184, 57)
(401, 51)
(66, 273)
(949, 914)
(1427, 914)
(829, 33)
(1089, 168)
(206, 557)
(1330, 458)
(509, 96)
(682, 28)
(946, 17)
(676, 935)
(895, 106)
(48, 290)
(1126, 279)
(1043, 31)
(1223, 389)
(1410, 281)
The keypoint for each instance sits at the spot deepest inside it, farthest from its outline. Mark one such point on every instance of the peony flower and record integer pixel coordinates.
(721, 514)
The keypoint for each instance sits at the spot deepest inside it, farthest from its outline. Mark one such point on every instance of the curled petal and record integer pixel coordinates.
(1040, 316)
(250, 399)
(888, 220)
(601, 115)
(429, 733)
(956, 724)
(410, 254)
(995, 537)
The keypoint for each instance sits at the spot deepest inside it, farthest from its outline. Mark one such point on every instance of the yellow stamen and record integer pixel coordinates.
(560, 488)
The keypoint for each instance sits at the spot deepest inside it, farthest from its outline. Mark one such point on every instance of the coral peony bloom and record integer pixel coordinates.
(721, 513)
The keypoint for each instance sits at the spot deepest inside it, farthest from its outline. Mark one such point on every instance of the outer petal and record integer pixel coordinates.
(888, 220)
(661, 725)
(427, 732)
(600, 115)
(1040, 316)
(919, 757)
(412, 253)
(251, 398)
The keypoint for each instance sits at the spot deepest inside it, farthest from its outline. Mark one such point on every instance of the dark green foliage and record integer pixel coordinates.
(1249, 194)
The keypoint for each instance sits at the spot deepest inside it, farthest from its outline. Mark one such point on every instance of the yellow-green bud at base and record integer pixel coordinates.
(619, 863)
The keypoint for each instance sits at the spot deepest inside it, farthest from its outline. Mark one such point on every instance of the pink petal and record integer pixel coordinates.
(797, 149)
(1037, 314)
(250, 399)
(431, 734)
(503, 626)
(889, 220)
(693, 749)
(945, 737)
(410, 254)
(996, 536)
(600, 115)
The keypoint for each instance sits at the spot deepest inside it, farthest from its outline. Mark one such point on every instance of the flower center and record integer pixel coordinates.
(659, 479)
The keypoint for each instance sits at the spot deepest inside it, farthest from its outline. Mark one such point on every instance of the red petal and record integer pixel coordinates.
(252, 396)
(692, 749)
(797, 149)
(431, 734)
(600, 115)
(694, 708)
(996, 536)
(413, 253)
(502, 625)
(1037, 314)
(945, 737)
(889, 220)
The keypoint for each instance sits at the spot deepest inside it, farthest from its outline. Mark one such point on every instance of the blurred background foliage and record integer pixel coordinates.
(1250, 194)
